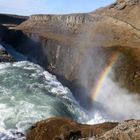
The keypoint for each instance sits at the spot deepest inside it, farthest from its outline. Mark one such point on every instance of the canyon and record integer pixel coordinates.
(61, 44)
(66, 45)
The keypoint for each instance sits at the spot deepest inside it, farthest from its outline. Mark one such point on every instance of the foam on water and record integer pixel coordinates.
(28, 94)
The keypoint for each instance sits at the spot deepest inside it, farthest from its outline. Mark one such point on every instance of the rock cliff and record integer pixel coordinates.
(78, 47)
(4, 56)
(11, 20)
(61, 24)
(67, 40)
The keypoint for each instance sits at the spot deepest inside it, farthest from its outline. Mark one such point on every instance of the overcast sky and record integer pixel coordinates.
(29, 7)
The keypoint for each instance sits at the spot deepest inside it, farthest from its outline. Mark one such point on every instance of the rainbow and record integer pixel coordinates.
(103, 75)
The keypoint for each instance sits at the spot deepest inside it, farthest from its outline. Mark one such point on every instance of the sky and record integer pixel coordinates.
(29, 7)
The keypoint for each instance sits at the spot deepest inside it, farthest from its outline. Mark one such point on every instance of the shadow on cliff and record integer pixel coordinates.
(36, 54)
(79, 92)
(23, 44)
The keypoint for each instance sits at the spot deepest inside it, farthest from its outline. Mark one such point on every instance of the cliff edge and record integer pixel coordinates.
(68, 39)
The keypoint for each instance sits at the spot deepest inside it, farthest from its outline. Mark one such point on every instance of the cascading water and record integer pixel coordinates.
(28, 94)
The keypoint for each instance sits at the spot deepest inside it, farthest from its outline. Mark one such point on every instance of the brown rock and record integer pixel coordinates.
(65, 129)
(119, 1)
(67, 40)
(128, 130)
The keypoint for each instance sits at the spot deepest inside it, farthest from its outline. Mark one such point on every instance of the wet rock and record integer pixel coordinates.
(65, 129)
(128, 130)
(5, 57)
(66, 41)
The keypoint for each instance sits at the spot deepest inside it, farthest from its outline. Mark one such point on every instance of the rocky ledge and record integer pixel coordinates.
(69, 41)
(66, 129)
(9, 20)
(5, 57)
(63, 45)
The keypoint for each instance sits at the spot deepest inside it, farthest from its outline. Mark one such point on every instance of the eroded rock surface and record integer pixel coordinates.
(9, 20)
(128, 130)
(72, 46)
(69, 41)
(65, 129)
(5, 57)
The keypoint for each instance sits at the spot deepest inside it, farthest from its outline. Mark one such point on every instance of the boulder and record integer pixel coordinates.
(5, 57)
(65, 129)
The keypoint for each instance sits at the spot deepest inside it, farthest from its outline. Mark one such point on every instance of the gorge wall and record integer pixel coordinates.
(79, 49)
(11, 20)
(67, 45)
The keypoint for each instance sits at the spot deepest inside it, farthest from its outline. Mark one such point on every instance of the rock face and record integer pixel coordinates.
(11, 20)
(61, 24)
(78, 47)
(65, 129)
(5, 57)
(71, 18)
(67, 40)
(22, 43)
(121, 4)
(128, 130)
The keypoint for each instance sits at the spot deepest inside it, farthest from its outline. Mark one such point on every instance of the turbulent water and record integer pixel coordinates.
(28, 94)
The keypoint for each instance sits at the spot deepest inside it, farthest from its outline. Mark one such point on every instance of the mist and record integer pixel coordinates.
(117, 102)
(89, 59)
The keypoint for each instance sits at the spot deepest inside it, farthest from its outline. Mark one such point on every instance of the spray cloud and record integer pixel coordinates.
(119, 103)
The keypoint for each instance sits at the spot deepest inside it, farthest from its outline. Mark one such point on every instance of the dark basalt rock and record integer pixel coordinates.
(9, 20)
(5, 57)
